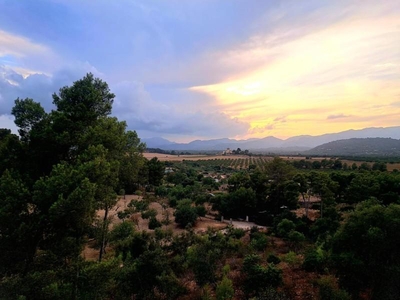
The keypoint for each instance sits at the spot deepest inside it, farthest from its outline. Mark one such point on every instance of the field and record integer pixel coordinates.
(240, 162)
(235, 162)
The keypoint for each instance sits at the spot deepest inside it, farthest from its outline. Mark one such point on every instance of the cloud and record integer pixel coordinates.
(262, 129)
(349, 62)
(19, 46)
(37, 86)
(235, 75)
(337, 116)
(395, 104)
(280, 119)
(135, 104)
(21, 54)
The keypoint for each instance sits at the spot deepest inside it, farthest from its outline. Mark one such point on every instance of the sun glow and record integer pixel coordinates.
(338, 78)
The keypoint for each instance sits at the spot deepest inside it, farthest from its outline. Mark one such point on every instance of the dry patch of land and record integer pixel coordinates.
(202, 224)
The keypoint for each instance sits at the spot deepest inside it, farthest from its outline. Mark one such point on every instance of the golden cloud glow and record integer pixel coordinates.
(341, 77)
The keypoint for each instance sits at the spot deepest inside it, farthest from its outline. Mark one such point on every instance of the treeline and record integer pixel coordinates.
(337, 164)
(171, 152)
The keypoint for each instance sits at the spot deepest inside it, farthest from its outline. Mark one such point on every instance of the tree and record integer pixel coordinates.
(259, 278)
(83, 103)
(156, 170)
(27, 115)
(185, 214)
(279, 174)
(65, 166)
(365, 250)
(224, 290)
(15, 242)
(203, 258)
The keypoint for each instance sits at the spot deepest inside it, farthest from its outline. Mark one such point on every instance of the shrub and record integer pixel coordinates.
(328, 289)
(236, 233)
(154, 223)
(259, 241)
(259, 278)
(291, 258)
(272, 258)
(148, 214)
(313, 260)
(184, 215)
(285, 227)
(225, 289)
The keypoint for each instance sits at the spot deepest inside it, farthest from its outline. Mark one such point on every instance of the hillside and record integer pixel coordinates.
(358, 147)
(272, 144)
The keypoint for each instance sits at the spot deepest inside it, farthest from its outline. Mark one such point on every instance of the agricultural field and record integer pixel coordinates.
(244, 162)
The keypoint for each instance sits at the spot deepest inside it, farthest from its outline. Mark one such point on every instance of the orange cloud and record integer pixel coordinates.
(351, 67)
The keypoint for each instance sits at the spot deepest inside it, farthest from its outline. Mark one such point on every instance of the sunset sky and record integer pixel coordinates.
(202, 69)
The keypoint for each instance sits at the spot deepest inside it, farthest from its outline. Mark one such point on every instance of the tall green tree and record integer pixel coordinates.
(67, 164)
(366, 251)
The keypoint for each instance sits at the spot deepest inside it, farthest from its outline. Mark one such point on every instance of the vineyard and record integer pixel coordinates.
(229, 164)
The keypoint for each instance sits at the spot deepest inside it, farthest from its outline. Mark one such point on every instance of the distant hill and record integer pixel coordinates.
(358, 147)
(272, 144)
(156, 142)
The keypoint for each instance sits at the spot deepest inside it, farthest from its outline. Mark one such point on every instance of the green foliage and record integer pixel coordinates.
(365, 250)
(154, 223)
(296, 238)
(203, 258)
(200, 210)
(259, 278)
(272, 258)
(139, 205)
(28, 114)
(328, 290)
(98, 279)
(148, 214)
(236, 233)
(156, 171)
(225, 289)
(285, 227)
(314, 259)
(291, 258)
(185, 214)
(259, 241)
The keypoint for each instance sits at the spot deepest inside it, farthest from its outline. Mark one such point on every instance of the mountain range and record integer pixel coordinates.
(272, 144)
(358, 147)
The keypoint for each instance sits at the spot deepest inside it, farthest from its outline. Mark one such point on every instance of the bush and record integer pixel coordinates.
(148, 214)
(285, 227)
(154, 223)
(225, 289)
(139, 205)
(236, 233)
(259, 278)
(184, 215)
(172, 202)
(291, 258)
(259, 241)
(272, 258)
(328, 289)
(313, 260)
(200, 211)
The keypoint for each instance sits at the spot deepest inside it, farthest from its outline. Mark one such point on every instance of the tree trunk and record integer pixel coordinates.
(103, 234)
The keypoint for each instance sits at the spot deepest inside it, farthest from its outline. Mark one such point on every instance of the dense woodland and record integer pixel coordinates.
(68, 164)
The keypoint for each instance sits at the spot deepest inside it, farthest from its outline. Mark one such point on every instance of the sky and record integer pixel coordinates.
(206, 69)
